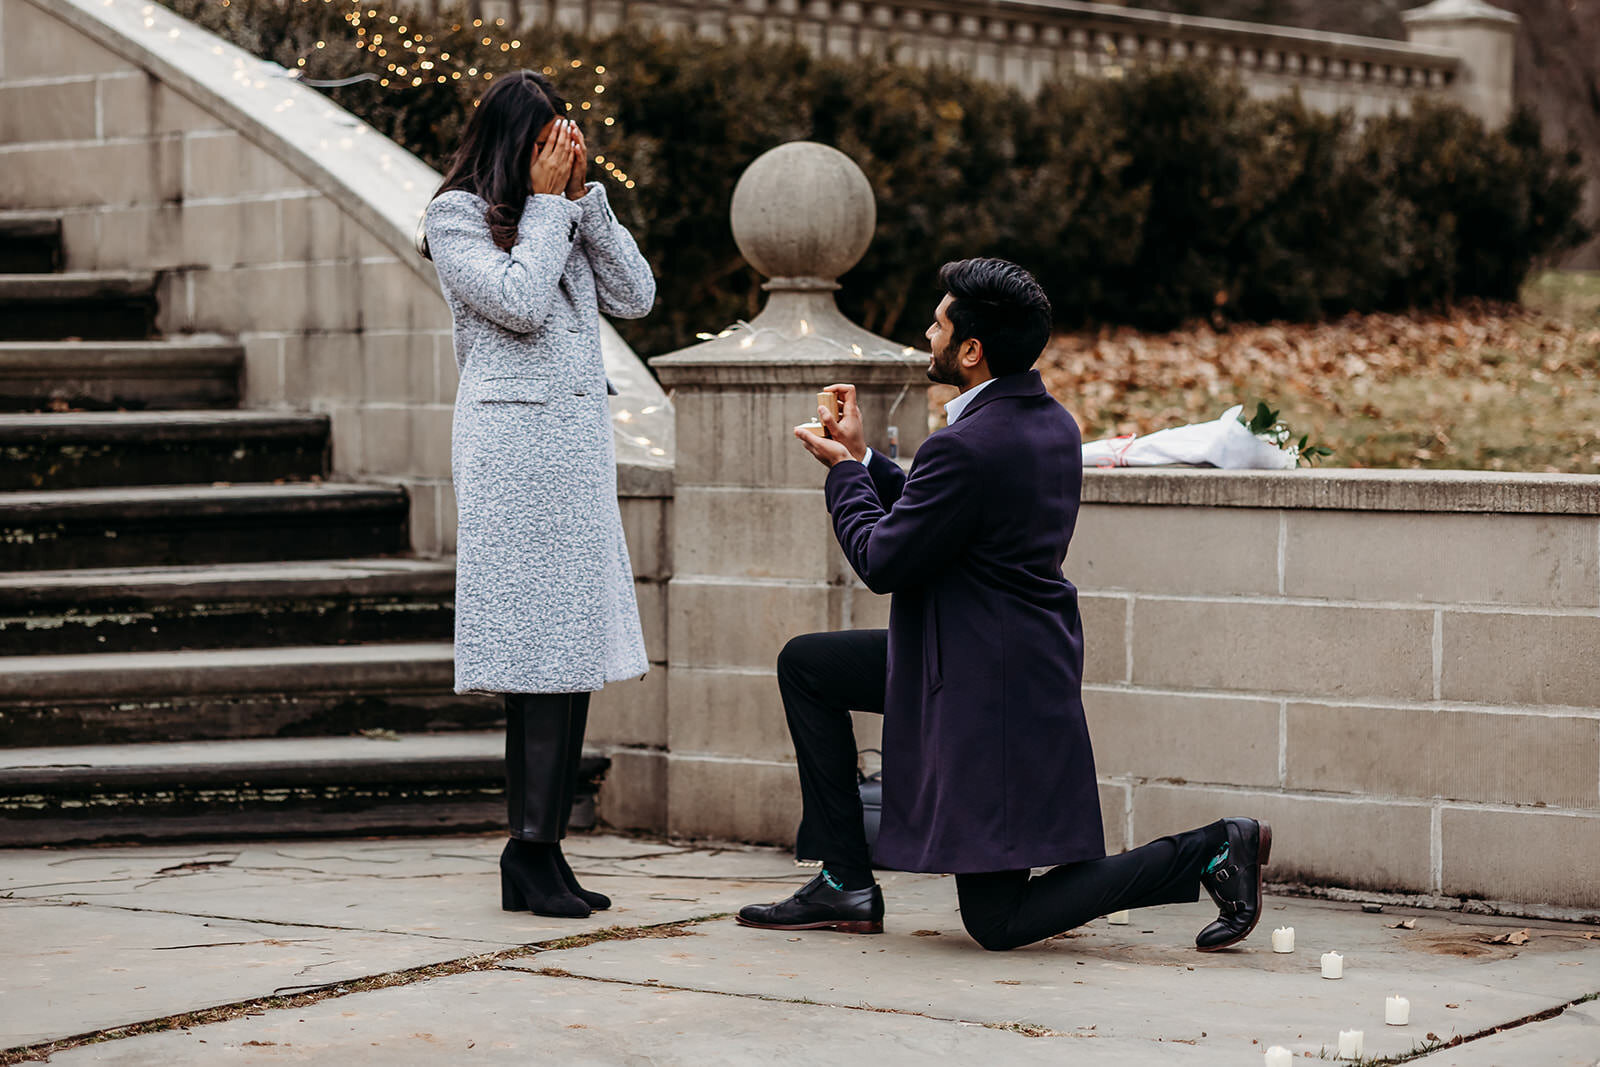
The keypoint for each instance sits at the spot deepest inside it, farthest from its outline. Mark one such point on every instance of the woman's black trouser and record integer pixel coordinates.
(823, 677)
(544, 744)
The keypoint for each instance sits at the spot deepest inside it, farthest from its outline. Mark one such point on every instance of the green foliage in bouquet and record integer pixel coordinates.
(1267, 424)
(1164, 196)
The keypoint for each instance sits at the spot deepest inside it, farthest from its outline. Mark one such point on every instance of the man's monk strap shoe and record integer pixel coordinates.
(819, 906)
(1235, 884)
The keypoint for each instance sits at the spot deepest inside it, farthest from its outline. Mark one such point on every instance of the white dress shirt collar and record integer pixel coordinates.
(953, 410)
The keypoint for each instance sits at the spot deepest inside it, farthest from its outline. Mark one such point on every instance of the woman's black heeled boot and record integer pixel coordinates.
(538, 743)
(531, 880)
(577, 724)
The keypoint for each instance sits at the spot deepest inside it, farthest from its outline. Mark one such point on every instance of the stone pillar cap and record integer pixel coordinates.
(1460, 11)
(803, 214)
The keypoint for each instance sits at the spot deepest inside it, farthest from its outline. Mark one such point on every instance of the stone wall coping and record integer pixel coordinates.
(812, 374)
(1461, 12)
(1232, 32)
(366, 175)
(1482, 492)
(644, 480)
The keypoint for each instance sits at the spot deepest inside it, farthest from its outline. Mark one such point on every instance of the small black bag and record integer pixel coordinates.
(871, 786)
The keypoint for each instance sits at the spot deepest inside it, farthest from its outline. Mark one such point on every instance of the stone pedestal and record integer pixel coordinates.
(1484, 36)
(755, 562)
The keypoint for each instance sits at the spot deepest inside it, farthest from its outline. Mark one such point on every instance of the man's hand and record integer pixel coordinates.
(829, 453)
(847, 429)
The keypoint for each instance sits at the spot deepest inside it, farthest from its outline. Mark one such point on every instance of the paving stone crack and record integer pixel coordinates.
(1025, 1028)
(1488, 1031)
(43, 1050)
(55, 902)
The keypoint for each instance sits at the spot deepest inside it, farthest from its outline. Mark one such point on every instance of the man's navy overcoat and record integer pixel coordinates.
(986, 757)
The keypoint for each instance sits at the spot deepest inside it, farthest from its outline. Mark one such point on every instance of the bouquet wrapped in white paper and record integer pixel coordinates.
(1226, 443)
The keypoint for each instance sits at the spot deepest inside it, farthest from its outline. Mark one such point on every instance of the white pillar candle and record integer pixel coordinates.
(1118, 918)
(1396, 1011)
(1332, 965)
(1278, 1056)
(1283, 939)
(1350, 1044)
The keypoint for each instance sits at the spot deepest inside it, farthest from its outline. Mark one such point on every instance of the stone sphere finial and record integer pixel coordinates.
(803, 214)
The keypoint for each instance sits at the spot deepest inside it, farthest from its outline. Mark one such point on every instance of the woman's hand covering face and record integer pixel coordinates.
(550, 171)
(580, 164)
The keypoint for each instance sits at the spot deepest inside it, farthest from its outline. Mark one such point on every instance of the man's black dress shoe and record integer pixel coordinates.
(819, 906)
(1235, 884)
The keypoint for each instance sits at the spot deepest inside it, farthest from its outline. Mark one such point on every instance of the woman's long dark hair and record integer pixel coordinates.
(498, 145)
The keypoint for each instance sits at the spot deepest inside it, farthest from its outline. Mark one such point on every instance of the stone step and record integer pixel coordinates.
(295, 691)
(145, 526)
(173, 374)
(30, 242)
(407, 783)
(98, 305)
(86, 449)
(248, 605)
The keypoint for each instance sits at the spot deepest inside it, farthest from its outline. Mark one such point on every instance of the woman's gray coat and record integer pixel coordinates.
(544, 588)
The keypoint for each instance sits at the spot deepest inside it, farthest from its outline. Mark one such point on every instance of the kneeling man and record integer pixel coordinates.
(987, 769)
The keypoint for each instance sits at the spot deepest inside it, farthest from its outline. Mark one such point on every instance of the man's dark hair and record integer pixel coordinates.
(1002, 306)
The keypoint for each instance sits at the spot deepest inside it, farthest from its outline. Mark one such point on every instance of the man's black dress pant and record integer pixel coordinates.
(823, 678)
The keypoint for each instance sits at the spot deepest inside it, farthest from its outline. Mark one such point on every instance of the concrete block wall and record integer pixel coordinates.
(1407, 687)
(628, 720)
(754, 564)
(147, 179)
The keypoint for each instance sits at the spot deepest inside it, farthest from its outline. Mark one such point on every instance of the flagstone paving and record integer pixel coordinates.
(97, 939)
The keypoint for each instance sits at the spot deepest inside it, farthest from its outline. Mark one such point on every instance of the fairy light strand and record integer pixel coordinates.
(410, 62)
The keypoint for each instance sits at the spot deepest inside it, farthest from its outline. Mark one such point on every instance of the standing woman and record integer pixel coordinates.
(529, 256)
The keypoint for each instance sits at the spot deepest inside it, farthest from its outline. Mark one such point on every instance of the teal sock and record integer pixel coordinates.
(1218, 860)
(842, 878)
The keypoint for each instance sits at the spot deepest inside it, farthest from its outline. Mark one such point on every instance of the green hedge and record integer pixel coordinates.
(1148, 200)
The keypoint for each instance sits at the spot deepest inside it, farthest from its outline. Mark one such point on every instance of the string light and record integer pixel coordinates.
(413, 67)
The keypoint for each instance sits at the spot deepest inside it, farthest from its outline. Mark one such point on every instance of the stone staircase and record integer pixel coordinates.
(199, 635)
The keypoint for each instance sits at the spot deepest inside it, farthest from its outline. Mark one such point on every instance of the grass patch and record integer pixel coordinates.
(1484, 387)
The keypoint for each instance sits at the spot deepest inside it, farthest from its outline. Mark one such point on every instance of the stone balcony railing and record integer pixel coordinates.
(1457, 47)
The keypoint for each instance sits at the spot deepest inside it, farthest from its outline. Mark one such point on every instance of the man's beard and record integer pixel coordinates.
(945, 370)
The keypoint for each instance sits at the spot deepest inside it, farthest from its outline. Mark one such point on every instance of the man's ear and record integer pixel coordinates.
(971, 353)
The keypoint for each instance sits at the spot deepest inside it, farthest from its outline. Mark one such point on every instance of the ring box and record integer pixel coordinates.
(833, 402)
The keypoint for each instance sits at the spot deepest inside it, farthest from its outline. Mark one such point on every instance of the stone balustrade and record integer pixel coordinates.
(1461, 48)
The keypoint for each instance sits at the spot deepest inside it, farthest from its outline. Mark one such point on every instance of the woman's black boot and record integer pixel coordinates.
(538, 742)
(530, 880)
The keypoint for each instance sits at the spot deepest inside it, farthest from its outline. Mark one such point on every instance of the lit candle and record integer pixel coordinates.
(1283, 939)
(1278, 1056)
(1332, 965)
(1396, 1011)
(1350, 1044)
(1118, 918)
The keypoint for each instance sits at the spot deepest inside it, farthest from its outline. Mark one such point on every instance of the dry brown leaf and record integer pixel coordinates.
(925, 933)
(1521, 937)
